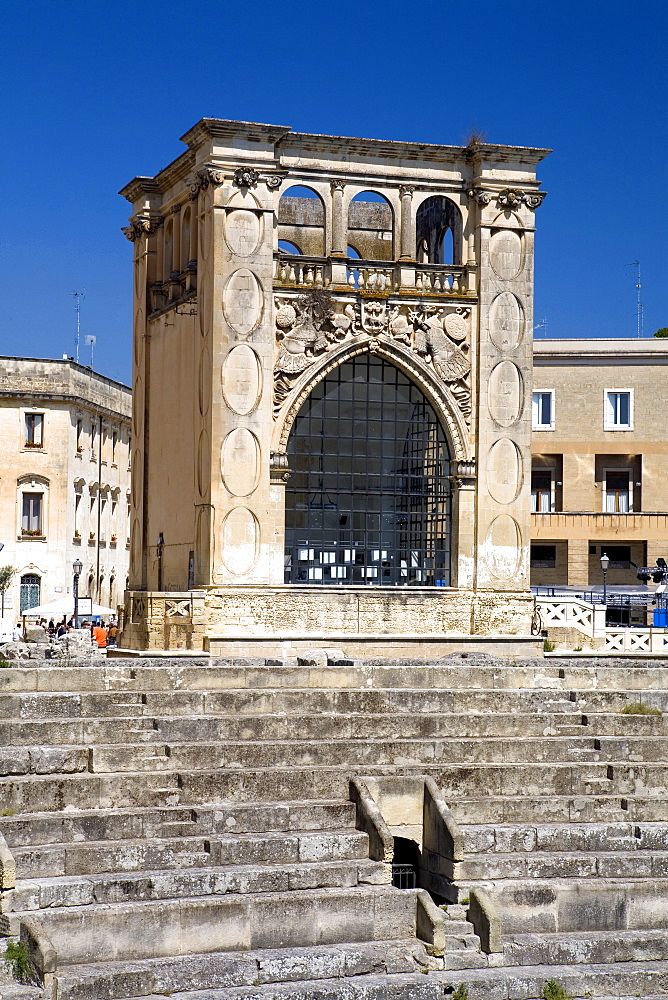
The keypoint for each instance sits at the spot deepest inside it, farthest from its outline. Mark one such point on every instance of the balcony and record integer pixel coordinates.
(590, 525)
(374, 277)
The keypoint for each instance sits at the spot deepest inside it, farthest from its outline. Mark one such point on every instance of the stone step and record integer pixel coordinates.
(297, 701)
(571, 905)
(564, 864)
(565, 837)
(195, 881)
(484, 783)
(286, 919)
(164, 976)
(587, 948)
(248, 673)
(75, 826)
(612, 808)
(618, 981)
(128, 855)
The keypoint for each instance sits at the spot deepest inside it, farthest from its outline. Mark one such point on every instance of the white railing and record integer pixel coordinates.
(372, 278)
(636, 640)
(295, 270)
(440, 282)
(589, 619)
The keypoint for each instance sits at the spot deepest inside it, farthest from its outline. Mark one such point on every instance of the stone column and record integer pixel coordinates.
(407, 227)
(339, 242)
(578, 562)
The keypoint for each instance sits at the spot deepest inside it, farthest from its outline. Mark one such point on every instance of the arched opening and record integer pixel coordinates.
(370, 226)
(405, 864)
(30, 589)
(185, 239)
(438, 229)
(301, 222)
(368, 501)
(168, 263)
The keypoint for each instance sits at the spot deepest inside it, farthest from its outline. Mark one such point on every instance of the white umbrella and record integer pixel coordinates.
(65, 606)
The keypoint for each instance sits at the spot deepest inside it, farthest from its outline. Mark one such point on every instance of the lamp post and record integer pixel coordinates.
(77, 566)
(605, 562)
(160, 544)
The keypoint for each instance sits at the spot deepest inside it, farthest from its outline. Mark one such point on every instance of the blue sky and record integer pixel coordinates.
(94, 94)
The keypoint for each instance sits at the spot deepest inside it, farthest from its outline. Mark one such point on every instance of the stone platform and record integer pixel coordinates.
(185, 827)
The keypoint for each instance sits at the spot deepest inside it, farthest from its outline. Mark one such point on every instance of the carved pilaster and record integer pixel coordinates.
(339, 244)
(407, 237)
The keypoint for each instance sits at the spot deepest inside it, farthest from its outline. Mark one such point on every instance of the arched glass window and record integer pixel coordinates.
(30, 591)
(301, 222)
(370, 225)
(368, 501)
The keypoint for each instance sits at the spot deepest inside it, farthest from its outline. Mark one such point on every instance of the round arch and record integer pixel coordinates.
(301, 220)
(368, 501)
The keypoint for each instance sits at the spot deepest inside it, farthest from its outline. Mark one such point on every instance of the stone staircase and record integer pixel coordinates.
(184, 827)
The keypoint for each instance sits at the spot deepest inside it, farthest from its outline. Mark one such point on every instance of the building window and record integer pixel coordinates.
(34, 430)
(543, 556)
(617, 498)
(31, 514)
(542, 491)
(619, 555)
(30, 590)
(114, 445)
(618, 410)
(543, 410)
(79, 435)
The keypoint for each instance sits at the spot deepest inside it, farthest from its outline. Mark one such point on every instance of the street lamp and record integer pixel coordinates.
(77, 566)
(605, 562)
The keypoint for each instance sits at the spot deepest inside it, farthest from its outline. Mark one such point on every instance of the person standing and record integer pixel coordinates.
(100, 636)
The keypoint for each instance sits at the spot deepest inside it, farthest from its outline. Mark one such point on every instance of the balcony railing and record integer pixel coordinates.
(635, 526)
(373, 276)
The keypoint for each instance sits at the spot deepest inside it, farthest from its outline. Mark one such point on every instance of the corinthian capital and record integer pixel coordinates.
(406, 190)
(141, 225)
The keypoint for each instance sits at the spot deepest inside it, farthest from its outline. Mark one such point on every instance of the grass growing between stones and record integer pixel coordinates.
(18, 962)
(4, 662)
(548, 647)
(461, 993)
(552, 990)
(7, 812)
(638, 708)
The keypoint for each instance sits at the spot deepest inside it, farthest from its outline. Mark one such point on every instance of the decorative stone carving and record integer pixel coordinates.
(241, 379)
(242, 302)
(506, 321)
(240, 536)
(480, 195)
(273, 181)
(512, 198)
(316, 324)
(506, 253)
(337, 185)
(245, 177)
(177, 609)
(505, 394)
(240, 462)
(504, 471)
(502, 547)
(242, 232)
(142, 225)
(279, 471)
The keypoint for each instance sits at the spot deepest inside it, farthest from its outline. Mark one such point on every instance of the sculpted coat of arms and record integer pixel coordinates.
(315, 324)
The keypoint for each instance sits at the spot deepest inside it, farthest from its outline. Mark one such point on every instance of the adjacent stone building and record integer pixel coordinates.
(599, 459)
(332, 377)
(64, 486)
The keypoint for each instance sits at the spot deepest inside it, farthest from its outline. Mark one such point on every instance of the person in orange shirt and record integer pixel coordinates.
(100, 636)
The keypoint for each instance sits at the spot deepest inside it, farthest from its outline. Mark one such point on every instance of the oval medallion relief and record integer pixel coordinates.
(242, 302)
(241, 379)
(242, 232)
(203, 464)
(240, 462)
(502, 547)
(241, 541)
(505, 253)
(204, 382)
(506, 322)
(505, 394)
(504, 471)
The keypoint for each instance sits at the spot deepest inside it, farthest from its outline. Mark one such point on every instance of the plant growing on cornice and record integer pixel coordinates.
(662, 332)
(552, 990)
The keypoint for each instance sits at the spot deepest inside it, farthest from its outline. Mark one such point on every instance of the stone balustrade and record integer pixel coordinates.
(373, 276)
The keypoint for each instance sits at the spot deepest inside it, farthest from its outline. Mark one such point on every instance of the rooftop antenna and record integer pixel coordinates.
(542, 325)
(636, 264)
(91, 341)
(78, 296)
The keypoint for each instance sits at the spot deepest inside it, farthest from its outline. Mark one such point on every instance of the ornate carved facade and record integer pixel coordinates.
(266, 262)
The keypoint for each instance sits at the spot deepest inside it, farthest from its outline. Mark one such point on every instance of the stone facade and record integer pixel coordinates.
(598, 476)
(64, 492)
(244, 301)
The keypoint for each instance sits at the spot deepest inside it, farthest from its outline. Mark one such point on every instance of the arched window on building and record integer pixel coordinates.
(370, 226)
(301, 222)
(368, 501)
(30, 589)
(185, 238)
(438, 230)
